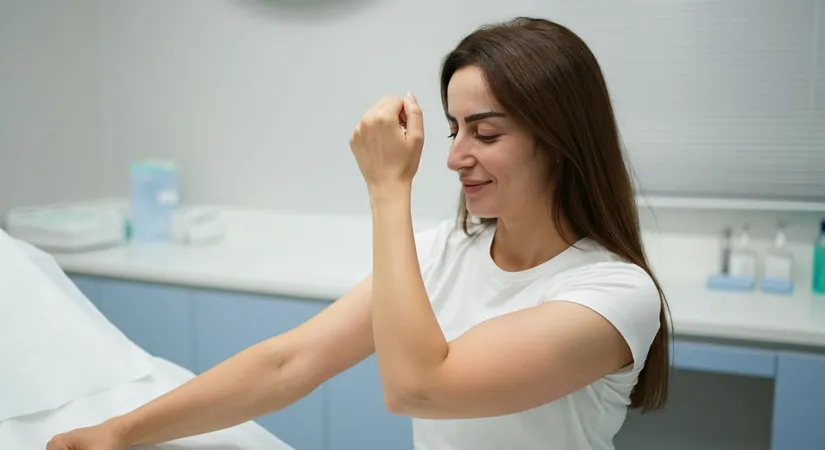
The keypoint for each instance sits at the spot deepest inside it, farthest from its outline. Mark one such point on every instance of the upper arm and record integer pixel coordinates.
(341, 335)
(525, 359)
(335, 339)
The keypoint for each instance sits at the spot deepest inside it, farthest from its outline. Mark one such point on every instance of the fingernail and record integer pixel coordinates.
(411, 97)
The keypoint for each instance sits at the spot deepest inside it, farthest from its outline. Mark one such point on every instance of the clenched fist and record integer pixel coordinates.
(387, 142)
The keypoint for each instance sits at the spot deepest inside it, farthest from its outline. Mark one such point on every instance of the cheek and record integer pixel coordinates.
(515, 169)
(499, 167)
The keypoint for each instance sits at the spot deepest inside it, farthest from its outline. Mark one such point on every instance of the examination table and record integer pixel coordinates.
(64, 365)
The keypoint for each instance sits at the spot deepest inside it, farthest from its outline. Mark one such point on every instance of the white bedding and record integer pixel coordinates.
(53, 345)
(63, 365)
(32, 432)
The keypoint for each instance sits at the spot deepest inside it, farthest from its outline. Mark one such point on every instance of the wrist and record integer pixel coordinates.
(123, 430)
(390, 193)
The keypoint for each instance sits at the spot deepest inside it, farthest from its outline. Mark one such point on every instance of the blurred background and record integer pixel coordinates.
(721, 105)
(715, 99)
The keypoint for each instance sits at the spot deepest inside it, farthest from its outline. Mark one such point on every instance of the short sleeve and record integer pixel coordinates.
(625, 295)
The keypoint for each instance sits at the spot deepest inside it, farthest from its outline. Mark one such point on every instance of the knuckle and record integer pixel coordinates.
(372, 120)
(385, 118)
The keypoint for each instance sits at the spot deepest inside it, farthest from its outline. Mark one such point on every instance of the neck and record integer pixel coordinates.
(524, 242)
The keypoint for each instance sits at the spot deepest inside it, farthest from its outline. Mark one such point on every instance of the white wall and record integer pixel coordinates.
(49, 102)
(256, 101)
(258, 108)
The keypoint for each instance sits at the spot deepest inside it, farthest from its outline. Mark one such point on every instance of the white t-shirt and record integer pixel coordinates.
(466, 287)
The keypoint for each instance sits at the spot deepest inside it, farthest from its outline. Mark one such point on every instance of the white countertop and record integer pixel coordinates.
(322, 256)
(279, 253)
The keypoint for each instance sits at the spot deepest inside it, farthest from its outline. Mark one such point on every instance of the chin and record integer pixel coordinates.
(481, 211)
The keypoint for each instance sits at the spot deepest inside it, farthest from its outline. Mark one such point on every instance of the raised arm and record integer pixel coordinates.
(260, 379)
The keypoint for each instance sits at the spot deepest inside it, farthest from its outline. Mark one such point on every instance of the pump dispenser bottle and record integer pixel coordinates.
(778, 268)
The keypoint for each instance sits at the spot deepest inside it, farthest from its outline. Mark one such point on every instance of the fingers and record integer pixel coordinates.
(56, 443)
(389, 111)
(356, 133)
(395, 111)
(415, 118)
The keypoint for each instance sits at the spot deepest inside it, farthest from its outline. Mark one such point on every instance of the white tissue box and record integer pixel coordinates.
(68, 227)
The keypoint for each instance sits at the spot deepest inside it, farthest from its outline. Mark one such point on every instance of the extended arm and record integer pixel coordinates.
(263, 378)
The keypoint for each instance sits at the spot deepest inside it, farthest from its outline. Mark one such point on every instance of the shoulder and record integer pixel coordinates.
(623, 293)
(592, 266)
(617, 284)
(431, 231)
(441, 238)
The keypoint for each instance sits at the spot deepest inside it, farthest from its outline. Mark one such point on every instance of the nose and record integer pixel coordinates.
(460, 154)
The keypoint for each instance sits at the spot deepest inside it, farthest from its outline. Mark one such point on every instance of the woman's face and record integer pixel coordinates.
(495, 158)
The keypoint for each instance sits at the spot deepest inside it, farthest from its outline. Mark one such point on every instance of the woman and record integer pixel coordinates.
(534, 324)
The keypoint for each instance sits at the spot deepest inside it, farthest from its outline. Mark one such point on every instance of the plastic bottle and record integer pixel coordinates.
(778, 269)
(726, 245)
(742, 258)
(819, 262)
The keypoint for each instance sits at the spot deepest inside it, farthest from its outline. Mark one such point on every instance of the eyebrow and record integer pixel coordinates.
(478, 116)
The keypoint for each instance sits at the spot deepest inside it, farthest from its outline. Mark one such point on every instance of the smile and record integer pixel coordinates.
(472, 188)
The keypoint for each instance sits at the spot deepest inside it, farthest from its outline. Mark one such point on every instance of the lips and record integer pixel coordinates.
(474, 187)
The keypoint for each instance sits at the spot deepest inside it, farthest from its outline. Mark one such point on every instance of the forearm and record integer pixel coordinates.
(409, 343)
(257, 380)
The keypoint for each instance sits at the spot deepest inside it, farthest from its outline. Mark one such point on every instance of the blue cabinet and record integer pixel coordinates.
(157, 318)
(88, 286)
(729, 359)
(226, 323)
(358, 417)
(799, 402)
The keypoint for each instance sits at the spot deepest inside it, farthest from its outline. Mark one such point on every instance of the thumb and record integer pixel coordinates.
(415, 118)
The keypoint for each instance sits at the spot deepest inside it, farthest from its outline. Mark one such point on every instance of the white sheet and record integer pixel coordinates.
(34, 431)
(65, 366)
(54, 349)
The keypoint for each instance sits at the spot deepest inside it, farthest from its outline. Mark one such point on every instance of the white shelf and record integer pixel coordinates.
(655, 201)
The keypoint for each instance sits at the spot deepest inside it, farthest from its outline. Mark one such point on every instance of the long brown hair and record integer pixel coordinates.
(546, 77)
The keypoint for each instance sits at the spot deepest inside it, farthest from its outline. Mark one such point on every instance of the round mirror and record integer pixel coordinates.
(308, 8)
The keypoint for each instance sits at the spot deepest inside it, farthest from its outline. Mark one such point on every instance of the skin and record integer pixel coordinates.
(498, 150)
(423, 374)
(558, 347)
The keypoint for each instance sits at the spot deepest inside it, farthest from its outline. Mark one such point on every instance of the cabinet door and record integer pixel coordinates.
(799, 402)
(226, 323)
(358, 416)
(158, 318)
(729, 359)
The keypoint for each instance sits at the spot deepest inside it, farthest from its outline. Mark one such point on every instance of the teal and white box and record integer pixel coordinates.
(154, 197)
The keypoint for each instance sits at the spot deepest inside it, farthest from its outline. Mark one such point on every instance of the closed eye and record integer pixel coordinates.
(487, 139)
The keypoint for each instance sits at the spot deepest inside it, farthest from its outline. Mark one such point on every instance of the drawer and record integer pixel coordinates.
(727, 359)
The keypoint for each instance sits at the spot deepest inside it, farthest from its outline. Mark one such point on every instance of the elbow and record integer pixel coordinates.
(407, 401)
(287, 371)
(394, 403)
